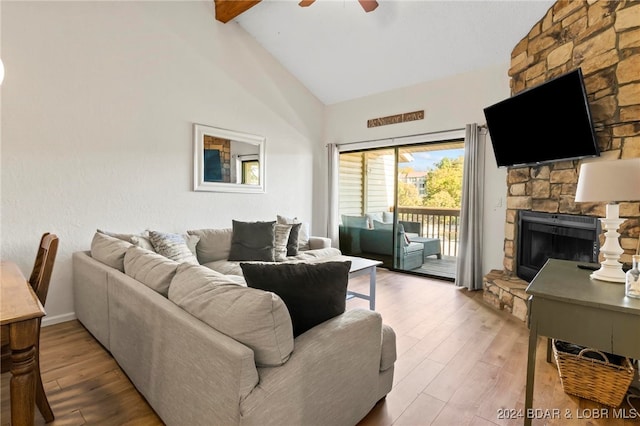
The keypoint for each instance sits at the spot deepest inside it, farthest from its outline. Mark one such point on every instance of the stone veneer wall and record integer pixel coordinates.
(602, 37)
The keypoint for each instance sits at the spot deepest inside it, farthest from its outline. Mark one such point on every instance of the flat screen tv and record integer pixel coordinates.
(548, 122)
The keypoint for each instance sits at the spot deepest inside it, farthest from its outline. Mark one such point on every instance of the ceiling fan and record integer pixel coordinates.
(227, 10)
(367, 5)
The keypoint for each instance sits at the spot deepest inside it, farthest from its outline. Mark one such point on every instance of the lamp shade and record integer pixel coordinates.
(617, 180)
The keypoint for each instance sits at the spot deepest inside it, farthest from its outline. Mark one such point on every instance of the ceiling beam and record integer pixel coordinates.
(226, 10)
(368, 5)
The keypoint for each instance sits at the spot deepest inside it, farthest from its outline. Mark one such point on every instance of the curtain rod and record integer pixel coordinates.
(345, 144)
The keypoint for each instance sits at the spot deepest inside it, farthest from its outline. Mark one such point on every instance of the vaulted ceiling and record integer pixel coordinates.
(339, 52)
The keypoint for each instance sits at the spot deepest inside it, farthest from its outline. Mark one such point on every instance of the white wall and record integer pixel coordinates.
(97, 110)
(448, 104)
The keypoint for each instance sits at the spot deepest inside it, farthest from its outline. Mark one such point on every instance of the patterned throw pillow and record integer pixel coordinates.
(172, 246)
(303, 233)
(280, 243)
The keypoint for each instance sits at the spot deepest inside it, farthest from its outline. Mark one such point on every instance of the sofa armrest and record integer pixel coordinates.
(319, 243)
(389, 354)
(336, 363)
(90, 295)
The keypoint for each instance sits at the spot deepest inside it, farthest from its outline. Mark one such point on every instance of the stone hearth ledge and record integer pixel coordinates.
(506, 292)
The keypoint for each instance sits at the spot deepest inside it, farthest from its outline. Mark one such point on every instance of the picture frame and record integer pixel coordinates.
(220, 158)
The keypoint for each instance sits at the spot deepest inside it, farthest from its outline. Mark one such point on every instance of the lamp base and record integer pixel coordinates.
(611, 270)
(611, 274)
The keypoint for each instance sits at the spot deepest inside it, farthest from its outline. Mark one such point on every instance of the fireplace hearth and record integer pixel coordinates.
(542, 236)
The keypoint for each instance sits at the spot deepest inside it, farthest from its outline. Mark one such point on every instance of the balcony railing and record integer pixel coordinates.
(441, 223)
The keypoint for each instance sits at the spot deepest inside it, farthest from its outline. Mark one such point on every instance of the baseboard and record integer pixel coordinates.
(48, 320)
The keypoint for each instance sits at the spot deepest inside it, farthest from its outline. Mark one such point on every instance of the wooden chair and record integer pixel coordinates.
(39, 280)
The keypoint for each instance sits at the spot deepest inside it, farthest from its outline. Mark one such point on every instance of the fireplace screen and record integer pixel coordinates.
(542, 236)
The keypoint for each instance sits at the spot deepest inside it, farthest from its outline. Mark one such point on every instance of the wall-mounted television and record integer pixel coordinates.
(548, 122)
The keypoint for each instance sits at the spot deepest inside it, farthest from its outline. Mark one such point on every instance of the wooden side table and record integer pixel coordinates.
(565, 304)
(20, 311)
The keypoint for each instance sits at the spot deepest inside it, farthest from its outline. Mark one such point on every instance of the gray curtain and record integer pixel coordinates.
(469, 265)
(332, 204)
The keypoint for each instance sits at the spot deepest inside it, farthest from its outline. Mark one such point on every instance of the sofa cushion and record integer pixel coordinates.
(227, 267)
(174, 246)
(313, 292)
(303, 234)
(253, 241)
(256, 318)
(109, 250)
(316, 255)
(152, 269)
(280, 242)
(214, 244)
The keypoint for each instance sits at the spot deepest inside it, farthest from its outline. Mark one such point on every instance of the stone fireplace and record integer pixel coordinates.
(603, 38)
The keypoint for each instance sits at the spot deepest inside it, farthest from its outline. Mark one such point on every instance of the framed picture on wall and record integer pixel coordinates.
(227, 160)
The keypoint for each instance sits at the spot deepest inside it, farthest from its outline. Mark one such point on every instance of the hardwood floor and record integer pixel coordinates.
(460, 362)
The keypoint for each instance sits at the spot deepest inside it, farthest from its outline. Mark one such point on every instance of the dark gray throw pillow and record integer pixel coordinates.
(313, 292)
(292, 243)
(253, 241)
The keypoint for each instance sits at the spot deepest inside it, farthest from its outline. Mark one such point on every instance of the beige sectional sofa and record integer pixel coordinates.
(204, 349)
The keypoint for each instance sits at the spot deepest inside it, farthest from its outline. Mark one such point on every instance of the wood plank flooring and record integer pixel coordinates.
(460, 362)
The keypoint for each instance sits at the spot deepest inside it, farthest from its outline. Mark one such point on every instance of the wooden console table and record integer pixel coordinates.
(565, 304)
(20, 311)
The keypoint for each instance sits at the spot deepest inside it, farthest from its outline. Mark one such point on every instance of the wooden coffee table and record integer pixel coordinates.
(361, 266)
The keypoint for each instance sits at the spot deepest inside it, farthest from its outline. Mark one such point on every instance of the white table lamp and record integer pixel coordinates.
(610, 181)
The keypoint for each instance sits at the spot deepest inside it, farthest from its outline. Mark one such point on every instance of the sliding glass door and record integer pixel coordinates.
(428, 206)
(401, 205)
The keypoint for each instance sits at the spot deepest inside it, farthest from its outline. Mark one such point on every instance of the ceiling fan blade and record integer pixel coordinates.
(368, 5)
(306, 3)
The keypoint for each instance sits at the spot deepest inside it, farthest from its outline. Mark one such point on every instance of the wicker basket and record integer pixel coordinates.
(599, 381)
